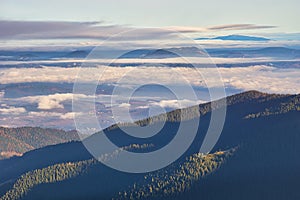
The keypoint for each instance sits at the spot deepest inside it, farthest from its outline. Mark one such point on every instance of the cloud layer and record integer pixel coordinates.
(99, 30)
(55, 109)
(258, 77)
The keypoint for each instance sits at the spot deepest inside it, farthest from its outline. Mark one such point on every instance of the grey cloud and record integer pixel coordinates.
(239, 27)
(23, 30)
(191, 29)
(55, 29)
(72, 30)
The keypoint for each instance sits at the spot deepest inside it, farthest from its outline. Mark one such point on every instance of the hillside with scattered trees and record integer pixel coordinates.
(16, 141)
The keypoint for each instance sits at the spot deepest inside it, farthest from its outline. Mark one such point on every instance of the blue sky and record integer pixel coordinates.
(157, 13)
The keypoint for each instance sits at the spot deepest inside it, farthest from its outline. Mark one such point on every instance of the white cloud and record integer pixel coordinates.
(44, 114)
(263, 78)
(70, 115)
(176, 103)
(45, 74)
(64, 116)
(48, 103)
(205, 59)
(52, 101)
(11, 110)
(124, 105)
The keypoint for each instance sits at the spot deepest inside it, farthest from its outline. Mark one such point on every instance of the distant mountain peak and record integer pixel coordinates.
(237, 38)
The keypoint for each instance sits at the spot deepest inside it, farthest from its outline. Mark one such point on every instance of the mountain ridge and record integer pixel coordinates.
(237, 38)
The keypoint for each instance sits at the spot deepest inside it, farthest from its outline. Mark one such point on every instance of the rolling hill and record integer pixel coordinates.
(16, 141)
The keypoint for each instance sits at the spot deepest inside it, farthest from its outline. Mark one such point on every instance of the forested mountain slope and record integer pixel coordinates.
(256, 157)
